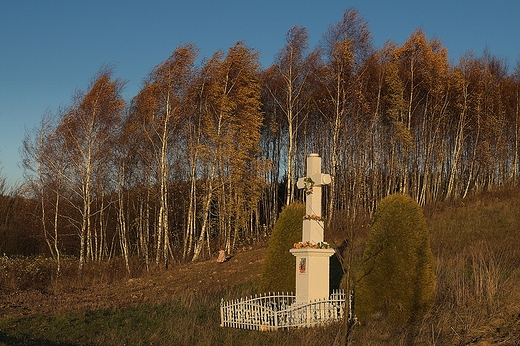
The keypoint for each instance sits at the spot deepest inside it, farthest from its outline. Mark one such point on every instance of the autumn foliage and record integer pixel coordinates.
(205, 156)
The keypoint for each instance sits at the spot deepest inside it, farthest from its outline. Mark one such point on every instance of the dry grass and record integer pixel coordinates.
(475, 243)
(179, 306)
(476, 246)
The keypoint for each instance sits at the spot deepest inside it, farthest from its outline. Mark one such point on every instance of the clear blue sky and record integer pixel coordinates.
(50, 48)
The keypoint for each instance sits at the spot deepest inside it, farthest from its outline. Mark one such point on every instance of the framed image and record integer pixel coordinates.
(302, 266)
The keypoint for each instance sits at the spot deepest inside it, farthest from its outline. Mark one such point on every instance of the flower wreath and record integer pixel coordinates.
(312, 217)
(308, 185)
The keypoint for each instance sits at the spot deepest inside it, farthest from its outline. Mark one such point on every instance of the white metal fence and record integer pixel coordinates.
(280, 310)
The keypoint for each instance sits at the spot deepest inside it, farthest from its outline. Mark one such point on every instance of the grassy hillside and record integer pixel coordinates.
(476, 244)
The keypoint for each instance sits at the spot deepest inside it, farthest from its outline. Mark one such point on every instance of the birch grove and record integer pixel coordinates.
(207, 153)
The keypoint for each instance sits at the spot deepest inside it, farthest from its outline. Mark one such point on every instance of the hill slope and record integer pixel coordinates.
(207, 276)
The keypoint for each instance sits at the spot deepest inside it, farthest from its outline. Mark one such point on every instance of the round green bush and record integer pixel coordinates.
(396, 279)
(279, 270)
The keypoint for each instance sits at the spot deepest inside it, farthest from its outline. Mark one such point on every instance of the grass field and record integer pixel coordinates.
(476, 244)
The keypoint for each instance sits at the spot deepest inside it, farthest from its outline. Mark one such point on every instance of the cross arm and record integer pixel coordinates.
(318, 179)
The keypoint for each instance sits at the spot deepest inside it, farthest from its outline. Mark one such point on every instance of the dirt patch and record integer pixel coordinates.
(208, 276)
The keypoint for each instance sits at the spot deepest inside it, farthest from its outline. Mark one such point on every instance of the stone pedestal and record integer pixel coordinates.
(312, 273)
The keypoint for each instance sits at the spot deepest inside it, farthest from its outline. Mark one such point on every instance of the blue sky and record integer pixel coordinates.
(49, 49)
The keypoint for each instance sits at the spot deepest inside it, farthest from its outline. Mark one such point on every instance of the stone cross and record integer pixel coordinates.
(313, 221)
(312, 263)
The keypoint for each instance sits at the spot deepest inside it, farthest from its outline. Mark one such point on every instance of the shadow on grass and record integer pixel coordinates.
(12, 341)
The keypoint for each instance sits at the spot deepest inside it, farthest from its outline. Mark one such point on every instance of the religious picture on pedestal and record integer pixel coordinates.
(303, 265)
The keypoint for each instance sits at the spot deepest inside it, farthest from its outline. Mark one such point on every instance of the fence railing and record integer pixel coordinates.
(279, 310)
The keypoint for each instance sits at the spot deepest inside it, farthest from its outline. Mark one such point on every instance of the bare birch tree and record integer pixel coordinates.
(43, 170)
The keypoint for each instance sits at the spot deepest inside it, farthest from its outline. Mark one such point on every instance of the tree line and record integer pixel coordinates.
(207, 153)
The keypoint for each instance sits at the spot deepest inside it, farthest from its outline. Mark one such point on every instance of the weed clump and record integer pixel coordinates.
(20, 273)
(278, 272)
(396, 280)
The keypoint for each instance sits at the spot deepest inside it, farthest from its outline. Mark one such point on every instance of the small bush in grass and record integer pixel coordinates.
(396, 279)
(25, 273)
(279, 273)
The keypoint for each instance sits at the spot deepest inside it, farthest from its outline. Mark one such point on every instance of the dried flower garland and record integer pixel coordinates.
(311, 245)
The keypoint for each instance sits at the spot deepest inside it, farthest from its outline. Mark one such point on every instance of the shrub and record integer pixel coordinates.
(279, 273)
(26, 273)
(396, 280)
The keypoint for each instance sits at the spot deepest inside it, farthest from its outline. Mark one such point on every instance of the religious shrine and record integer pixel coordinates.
(313, 304)
(312, 253)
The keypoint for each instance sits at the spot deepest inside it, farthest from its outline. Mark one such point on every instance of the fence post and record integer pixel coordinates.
(222, 312)
(275, 312)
